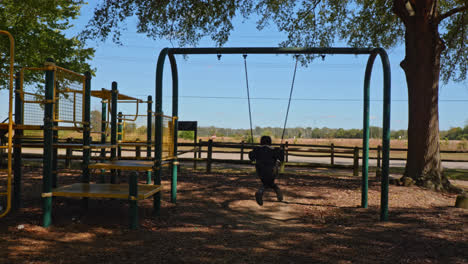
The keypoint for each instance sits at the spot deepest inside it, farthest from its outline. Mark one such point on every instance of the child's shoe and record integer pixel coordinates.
(259, 197)
(279, 194)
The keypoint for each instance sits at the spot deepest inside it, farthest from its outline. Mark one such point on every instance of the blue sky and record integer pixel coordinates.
(327, 93)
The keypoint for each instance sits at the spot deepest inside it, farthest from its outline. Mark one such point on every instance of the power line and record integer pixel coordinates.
(305, 99)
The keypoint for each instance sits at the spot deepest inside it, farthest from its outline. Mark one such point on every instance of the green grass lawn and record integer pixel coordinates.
(453, 174)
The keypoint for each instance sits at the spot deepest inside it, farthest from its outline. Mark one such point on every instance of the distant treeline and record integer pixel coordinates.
(297, 132)
(456, 133)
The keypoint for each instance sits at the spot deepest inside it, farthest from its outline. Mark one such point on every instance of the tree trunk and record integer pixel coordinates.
(422, 69)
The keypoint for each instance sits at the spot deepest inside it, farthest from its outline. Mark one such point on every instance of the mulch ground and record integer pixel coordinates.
(216, 220)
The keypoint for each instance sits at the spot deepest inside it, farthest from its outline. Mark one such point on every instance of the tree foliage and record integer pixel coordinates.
(434, 33)
(298, 132)
(38, 29)
(455, 133)
(96, 120)
(311, 23)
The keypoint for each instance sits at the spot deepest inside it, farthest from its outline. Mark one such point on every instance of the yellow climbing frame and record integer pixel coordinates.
(8, 192)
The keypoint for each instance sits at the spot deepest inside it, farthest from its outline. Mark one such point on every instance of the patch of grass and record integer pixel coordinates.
(457, 174)
(452, 174)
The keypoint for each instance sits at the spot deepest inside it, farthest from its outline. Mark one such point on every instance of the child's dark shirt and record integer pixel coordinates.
(266, 158)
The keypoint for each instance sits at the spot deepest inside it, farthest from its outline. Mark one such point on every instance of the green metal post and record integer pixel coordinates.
(113, 139)
(86, 134)
(386, 136)
(133, 193)
(48, 148)
(158, 132)
(175, 113)
(149, 133)
(103, 135)
(18, 162)
(365, 134)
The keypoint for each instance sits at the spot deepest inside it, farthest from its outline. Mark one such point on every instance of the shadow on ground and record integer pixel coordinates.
(216, 220)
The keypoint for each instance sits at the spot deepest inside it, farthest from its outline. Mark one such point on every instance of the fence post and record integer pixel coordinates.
(209, 156)
(379, 150)
(68, 155)
(138, 150)
(199, 148)
(195, 149)
(356, 162)
(286, 152)
(332, 154)
(242, 150)
(378, 171)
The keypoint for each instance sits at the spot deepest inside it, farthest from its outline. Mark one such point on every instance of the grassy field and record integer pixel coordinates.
(451, 145)
(351, 142)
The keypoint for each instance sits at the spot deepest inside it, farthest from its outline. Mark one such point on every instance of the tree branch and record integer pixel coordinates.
(452, 12)
(400, 11)
(310, 10)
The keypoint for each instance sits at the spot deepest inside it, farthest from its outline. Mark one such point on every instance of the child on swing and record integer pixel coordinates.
(267, 158)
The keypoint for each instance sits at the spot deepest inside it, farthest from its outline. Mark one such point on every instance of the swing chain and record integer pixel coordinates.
(290, 96)
(248, 97)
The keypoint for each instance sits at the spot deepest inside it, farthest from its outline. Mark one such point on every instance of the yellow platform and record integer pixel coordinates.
(76, 145)
(136, 165)
(134, 144)
(105, 190)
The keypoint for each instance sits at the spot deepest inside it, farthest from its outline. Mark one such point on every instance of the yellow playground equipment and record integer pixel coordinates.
(6, 127)
(130, 126)
(58, 104)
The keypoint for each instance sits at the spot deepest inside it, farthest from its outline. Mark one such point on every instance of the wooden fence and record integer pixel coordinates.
(205, 151)
(293, 150)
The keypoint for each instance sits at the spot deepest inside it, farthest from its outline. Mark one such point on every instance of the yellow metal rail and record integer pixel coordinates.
(10, 123)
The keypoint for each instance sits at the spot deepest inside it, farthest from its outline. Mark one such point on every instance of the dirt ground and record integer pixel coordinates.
(216, 220)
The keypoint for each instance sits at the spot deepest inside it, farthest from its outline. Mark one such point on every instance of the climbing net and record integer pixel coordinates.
(68, 97)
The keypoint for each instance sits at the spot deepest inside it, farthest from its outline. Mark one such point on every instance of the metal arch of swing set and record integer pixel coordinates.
(373, 52)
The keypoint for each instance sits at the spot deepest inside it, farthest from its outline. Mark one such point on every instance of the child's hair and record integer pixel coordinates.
(265, 140)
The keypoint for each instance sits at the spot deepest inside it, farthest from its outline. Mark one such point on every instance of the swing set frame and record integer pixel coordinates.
(372, 52)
